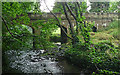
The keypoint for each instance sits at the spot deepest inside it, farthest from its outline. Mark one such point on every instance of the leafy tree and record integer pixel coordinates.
(11, 15)
(76, 10)
(15, 14)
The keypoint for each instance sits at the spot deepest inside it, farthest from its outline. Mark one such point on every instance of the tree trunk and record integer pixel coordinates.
(63, 36)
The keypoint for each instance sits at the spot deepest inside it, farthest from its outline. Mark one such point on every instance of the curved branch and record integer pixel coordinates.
(8, 28)
(59, 25)
(70, 11)
(12, 33)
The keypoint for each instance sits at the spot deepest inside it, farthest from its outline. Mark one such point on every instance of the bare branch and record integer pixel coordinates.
(57, 21)
(70, 11)
(71, 26)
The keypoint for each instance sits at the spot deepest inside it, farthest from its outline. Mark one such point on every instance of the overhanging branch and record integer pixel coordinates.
(8, 28)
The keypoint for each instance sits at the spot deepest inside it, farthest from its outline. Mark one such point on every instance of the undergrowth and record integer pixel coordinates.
(101, 58)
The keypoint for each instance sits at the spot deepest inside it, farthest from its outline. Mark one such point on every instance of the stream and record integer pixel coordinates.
(34, 61)
(31, 61)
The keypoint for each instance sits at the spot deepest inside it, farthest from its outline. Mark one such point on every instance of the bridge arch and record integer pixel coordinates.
(32, 31)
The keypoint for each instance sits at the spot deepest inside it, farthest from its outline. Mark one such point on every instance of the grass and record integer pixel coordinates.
(108, 34)
(96, 37)
(104, 36)
(104, 56)
(112, 25)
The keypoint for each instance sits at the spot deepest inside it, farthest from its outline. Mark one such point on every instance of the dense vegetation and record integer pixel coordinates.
(98, 52)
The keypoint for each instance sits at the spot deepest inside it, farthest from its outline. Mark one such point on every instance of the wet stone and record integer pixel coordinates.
(32, 61)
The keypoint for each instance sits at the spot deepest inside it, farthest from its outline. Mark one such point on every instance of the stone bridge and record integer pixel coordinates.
(100, 19)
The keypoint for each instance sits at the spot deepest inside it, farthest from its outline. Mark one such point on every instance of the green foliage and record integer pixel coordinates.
(58, 8)
(15, 44)
(85, 29)
(11, 12)
(83, 7)
(103, 56)
(78, 56)
(113, 7)
(105, 72)
(99, 7)
(55, 38)
(46, 29)
(112, 29)
(16, 14)
(41, 42)
(112, 25)
(23, 42)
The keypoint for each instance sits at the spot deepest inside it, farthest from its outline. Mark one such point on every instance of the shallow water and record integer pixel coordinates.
(32, 61)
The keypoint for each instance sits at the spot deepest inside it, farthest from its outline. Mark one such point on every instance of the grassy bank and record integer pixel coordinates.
(103, 56)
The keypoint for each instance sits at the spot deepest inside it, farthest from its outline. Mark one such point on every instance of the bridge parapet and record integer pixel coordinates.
(99, 18)
(62, 16)
(101, 15)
